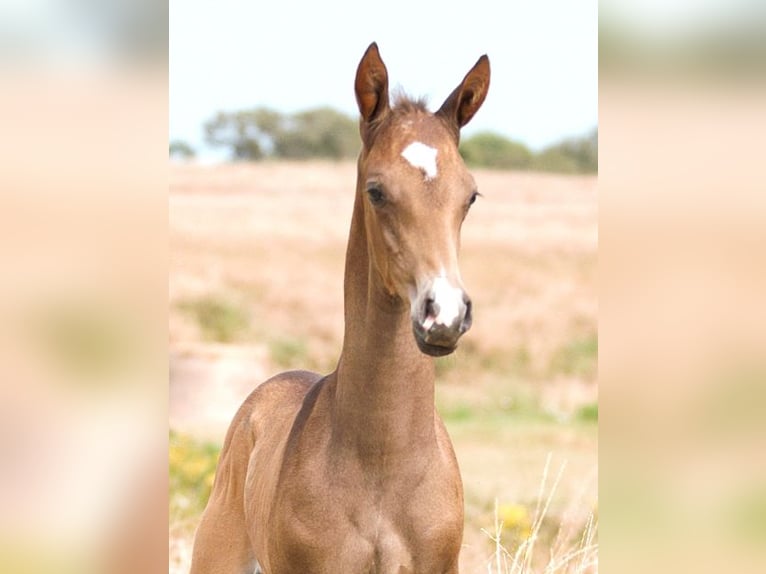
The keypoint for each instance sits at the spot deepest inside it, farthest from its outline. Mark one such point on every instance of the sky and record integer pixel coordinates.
(289, 55)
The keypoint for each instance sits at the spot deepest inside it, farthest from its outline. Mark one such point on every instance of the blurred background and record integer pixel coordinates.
(682, 369)
(83, 221)
(85, 296)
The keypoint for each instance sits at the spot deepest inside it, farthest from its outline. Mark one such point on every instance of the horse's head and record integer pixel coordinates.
(416, 193)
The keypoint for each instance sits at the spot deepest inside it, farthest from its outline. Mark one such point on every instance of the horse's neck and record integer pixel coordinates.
(384, 400)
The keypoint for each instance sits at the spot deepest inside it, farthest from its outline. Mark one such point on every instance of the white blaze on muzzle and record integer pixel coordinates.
(441, 313)
(447, 301)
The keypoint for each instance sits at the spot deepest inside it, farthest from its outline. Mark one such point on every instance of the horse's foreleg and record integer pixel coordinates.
(222, 544)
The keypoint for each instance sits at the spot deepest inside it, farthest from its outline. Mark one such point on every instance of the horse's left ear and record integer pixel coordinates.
(466, 99)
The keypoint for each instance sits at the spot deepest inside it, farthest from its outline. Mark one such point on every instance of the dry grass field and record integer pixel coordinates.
(256, 267)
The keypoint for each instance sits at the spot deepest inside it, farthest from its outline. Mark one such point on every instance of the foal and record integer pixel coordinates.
(354, 472)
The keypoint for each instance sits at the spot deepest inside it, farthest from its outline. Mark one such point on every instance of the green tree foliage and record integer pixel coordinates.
(262, 132)
(326, 133)
(321, 132)
(244, 132)
(181, 149)
(555, 159)
(574, 155)
(488, 149)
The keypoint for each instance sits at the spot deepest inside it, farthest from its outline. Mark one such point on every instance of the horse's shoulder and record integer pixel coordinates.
(278, 398)
(289, 387)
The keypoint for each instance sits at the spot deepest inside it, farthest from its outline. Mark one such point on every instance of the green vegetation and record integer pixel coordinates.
(458, 412)
(289, 353)
(528, 538)
(489, 149)
(262, 133)
(191, 474)
(577, 358)
(492, 400)
(513, 363)
(588, 413)
(573, 155)
(181, 150)
(219, 319)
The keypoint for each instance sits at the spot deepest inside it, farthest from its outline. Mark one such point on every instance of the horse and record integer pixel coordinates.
(354, 472)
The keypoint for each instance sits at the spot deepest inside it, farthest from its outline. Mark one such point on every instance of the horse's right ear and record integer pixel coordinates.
(371, 86)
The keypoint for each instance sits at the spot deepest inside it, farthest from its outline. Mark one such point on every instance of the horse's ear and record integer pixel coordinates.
(458, 109)
(371, 85)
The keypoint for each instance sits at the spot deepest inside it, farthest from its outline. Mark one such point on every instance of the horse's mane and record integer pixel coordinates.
(405, 104)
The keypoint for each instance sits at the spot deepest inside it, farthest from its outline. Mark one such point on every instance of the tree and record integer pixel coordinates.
(181, 150)
(573, 155)
(489, 149)
(262, 132)
(584, 150)
(320, 132)
(248, 134)
(555, 159)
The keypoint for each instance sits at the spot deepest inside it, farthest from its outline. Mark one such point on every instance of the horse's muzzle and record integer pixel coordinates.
(441, 313)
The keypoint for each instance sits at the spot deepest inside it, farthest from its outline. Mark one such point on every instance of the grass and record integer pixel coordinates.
(573, 549)
(520, 408)
(289, 353)
(192, 465)
(513, 363)
(578, 358)
(219, 318)
(588, 413)
(491, 395)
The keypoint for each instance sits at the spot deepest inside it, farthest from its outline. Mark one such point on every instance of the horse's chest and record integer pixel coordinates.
(374, 533)
(386, 544)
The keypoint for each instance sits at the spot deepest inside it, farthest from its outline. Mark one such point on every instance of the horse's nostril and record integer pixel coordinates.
(431, 309)
(468, 317)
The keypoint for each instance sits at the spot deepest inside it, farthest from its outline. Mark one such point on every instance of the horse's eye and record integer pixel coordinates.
(377, 197)
(473, 197)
